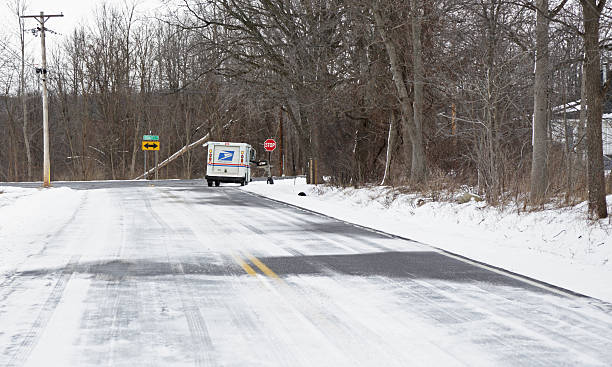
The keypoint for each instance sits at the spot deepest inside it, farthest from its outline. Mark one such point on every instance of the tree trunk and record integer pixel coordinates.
(591, 12)
(23, 92)
(569, 146)
(390, 144)
(296, 114)
(417, 171)
(583, 116)
(361, 151)
(26, 137)
(135, 146)
(13, 167)
(539, 180)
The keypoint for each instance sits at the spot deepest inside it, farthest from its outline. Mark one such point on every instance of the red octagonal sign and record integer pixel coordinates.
(269, 145)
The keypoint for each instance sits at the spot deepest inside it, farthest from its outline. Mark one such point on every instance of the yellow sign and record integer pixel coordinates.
(150, 145)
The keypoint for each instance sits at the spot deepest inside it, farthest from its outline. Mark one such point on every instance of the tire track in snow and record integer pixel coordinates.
(21, 353)
(202, 343)
(362, 329)
(557, 325)
(534, 327)
(330, 323)
(531, 327)
(247, 319)
(115, 297)
(7, 283)
(27, 345)
(343, 241)
(357, 328)
(454, 307)
(285, 352)
(345, 339)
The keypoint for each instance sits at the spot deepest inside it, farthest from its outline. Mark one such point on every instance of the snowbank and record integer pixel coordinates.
(557, 246)
(28, 218)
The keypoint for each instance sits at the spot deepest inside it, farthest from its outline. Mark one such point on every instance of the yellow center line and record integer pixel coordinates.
(245, 266)
(266, 270)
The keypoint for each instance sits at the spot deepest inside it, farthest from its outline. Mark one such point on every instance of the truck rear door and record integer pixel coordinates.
(226, 160)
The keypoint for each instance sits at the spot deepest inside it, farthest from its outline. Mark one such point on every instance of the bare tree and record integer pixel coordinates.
(409, 126)
(450, 84)
(418, 169)
(540, 105)
(19, 7)
(591, 15)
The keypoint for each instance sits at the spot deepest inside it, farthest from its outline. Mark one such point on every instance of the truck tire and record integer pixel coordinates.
(210, 183)
(217, 183)
(242, 182)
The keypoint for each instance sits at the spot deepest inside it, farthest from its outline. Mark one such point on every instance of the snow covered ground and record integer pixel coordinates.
(558, 246)
(178, 273)
(27, 216)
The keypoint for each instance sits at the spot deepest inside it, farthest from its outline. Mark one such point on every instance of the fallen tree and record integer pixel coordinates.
(174, 156)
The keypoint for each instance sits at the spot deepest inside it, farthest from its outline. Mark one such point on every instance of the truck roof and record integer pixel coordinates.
(223, 143)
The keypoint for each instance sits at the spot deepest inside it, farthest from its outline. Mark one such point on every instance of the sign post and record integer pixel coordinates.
(156, 164)
(269, 146)
(150, 142)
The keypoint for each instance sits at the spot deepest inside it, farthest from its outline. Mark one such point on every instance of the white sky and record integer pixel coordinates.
(76, 12)
(80, 11)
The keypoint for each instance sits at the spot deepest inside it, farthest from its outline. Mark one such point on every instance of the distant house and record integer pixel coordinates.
(571, 113)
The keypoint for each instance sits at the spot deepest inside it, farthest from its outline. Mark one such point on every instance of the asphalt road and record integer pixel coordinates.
(177, 273)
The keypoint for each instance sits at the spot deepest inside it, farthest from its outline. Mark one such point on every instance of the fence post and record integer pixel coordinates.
(309, 172)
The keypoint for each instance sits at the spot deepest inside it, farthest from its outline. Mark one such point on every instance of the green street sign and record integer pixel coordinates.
(150, 137)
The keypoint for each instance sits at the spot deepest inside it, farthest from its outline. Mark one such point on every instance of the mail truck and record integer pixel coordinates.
(228, 162)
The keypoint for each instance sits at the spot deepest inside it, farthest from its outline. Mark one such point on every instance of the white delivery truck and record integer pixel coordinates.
(228, 162)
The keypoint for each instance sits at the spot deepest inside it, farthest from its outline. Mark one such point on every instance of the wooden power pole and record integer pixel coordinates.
(281, 166)
(42, 18)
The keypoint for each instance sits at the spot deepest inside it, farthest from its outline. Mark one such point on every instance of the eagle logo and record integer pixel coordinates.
(226, 155)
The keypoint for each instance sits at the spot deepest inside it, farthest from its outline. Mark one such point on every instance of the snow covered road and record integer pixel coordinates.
(125, 273)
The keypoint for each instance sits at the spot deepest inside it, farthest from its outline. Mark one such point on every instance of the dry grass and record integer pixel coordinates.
(563, 190)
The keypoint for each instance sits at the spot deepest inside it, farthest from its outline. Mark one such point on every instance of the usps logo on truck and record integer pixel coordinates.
(226, 155)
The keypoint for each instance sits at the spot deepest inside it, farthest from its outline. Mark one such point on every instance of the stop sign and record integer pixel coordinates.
(269, 145)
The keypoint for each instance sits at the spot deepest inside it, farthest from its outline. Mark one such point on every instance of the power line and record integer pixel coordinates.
(8, 47)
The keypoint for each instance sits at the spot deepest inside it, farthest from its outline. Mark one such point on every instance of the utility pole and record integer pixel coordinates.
(42, 18)
(281, 166)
